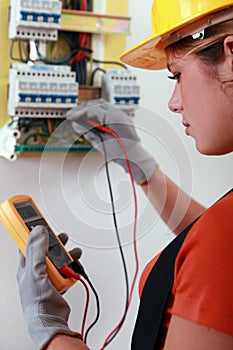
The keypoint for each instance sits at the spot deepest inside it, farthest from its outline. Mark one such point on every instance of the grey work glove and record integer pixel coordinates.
(45, 310)
(142, 164)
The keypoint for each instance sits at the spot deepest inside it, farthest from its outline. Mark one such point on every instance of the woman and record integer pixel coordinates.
(194, 39)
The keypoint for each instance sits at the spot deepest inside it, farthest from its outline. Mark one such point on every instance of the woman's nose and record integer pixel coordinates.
(175, 103)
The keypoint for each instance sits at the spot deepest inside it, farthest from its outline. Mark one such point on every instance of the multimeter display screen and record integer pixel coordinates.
(26, 211)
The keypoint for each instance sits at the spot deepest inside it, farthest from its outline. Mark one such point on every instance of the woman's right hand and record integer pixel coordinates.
(142, 164)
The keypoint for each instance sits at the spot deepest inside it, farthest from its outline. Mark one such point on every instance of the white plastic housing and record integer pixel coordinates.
(34, 19)
(120, 87)
(8, 140)
(41, 91)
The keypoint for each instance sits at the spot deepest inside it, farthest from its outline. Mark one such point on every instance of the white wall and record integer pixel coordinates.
(72, 192)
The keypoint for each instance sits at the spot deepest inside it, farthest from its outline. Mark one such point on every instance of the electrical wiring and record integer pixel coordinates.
(83, 39)
(33, 128)
(116, 329)
(118, 237)
(68, 272)
(18, 59)
(27, 124)
(129, 292)
(107, 62)
(49, 125)
(78, 61)
(74, 271)
(86, 307)
(25, 47)
(20, 52)
(62, 60)
(35, 135)
(79, 57)
(79, 43)
(98, 69)
(66, 4)
(75, 4)
(93, 60)
(84, 5)
(23, 50)
(81, 52)
(43, 130)
(103, 128)
(80, 49)
(97, 310)
(90, 5)
(83, 49)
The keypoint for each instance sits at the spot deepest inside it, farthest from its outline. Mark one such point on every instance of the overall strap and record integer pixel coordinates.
(154, 296)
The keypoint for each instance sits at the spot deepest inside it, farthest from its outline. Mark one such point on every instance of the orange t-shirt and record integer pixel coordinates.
(203, 277)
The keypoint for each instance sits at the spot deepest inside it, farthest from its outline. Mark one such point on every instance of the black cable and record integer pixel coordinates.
(97, 312)
(94, 72)
(75, 5)
(78, 67)
(83, 77)
(118, 239)
(27, 124)
(66, 4)
(107, 62)
(69, 37)
(62, 60)
(77, 267)
(90, 5)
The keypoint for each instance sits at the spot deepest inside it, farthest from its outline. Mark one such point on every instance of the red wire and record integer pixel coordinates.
(83, 39)
(84, 5)
(86, 306)
(111, 132)
(68, 272)
(81, 54)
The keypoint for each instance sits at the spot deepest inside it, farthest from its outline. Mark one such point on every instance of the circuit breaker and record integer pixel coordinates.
(56, 72)
(120, 87)
(41, 91)
(34, 19)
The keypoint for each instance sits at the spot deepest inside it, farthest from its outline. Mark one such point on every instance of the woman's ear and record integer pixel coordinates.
(227, 71)
(228, 49)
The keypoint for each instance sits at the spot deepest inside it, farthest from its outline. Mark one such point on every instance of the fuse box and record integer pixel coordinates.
(41, 90)
(55, 74)
(35, 19)
(120, 87)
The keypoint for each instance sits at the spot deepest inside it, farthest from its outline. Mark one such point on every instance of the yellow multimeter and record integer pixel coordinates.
(19, 214)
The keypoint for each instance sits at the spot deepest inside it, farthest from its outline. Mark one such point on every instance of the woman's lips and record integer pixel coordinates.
(186, 125)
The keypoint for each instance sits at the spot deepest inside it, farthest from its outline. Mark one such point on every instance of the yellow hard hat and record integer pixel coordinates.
(173, 20)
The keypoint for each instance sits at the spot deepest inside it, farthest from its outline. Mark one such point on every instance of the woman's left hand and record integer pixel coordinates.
(45, 311)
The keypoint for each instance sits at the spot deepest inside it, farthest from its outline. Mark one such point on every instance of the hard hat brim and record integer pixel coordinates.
(150, 54)
(145, 55)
